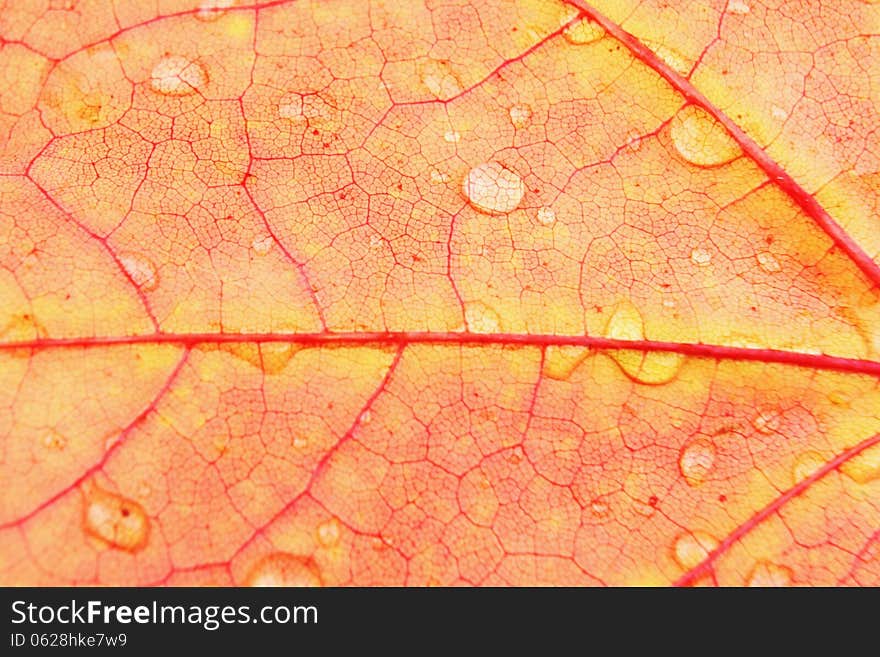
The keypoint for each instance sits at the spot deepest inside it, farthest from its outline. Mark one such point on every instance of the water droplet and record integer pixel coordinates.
(599, 509)
(291, 107)
(299, 442)
(211, 10)
(366, 417)
(480, 318)
(329, 532)
(54, 441)
(778, 113)
(283, 569)
(696, 460)
(493, 188)
(439, 177)
(700, 139)
(439, 78)
(768, 262)
(863, 467)
(767, 421)
(767, 574)
(648, 367)
(561, 361)
(520, 115)
(806, 464)
(738, 7)
(119, 522)
(271, 357)
(262, 244)
(692, 548)
(701, 257)
(516, 455)
(546, 216)
(174, 75)
(452, 137)
(141, 271)
(671, 57)
(582, 32)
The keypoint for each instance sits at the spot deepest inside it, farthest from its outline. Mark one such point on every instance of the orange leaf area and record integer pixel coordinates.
(408, 293)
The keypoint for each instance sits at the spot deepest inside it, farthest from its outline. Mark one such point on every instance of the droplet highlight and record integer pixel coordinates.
(283, 569)
(648, 367)
(696, 460)
(174, 75)
(582, 32)
(141, 271)
(700, 139)
(492, 188)
(692, 548)
(116, 520)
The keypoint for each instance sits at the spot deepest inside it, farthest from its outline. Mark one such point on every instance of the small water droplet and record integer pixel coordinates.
(174, 75)
(767, 574)
(696, 460)
(439, 177)
(211, 10)
(546, 216)
(492, 188)
(863, 467)
(440, 79)
(582, 32)
(54, 441)
(738, 7)
(376, 242)
(520, 115)
(778, 113)
(329, 532)
(262, 244)
(768, 262)
(480, 318)
(283, 569)
(516, 455)
(119, 522)
(648, 367)
(141, 271)
(452, 137)
(300, 442)
(599, 508)
(701, 257)
(692, 548)
(805, 465)
(767, 421)
(700, 139)
(366, 417)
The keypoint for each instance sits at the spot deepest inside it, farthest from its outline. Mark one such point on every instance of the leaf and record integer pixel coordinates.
(366, 293)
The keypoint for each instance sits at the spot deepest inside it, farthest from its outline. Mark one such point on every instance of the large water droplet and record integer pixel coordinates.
(767, 574)
(700, 139)
(141, 271)
(119, 522)
(492, 188)
(696, 460)
(174, 75)
(583, 31)
(649, 367)
(283, 569)
(692, 548)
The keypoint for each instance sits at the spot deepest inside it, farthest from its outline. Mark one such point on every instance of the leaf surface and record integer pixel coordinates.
(402, 293)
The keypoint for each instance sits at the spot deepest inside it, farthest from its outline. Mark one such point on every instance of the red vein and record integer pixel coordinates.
(774, 171)
(405, 338)
(149, 408)
(705, 566)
